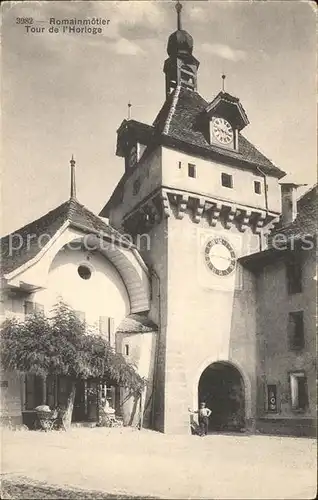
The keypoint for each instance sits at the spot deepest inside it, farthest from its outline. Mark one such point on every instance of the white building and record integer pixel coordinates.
(186, 302)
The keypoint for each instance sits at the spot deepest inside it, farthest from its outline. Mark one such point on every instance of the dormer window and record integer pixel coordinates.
(227, 118)
(222, 133)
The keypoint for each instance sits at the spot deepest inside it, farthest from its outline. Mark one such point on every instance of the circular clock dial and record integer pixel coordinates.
(222, 131)
(220, 256)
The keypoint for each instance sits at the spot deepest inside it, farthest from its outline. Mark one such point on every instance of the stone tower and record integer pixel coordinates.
(203, 195)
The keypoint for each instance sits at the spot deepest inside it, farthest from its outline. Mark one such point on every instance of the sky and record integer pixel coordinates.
(65, 94)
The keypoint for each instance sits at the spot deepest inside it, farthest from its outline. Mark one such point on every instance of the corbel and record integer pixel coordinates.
(198, 211)
(215, 214)
(182, 206)
(228, 223)
(246, 216)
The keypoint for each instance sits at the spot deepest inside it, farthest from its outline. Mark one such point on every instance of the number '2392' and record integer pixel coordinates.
(24, 20)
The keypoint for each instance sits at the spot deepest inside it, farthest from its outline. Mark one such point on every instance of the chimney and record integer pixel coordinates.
(289, 202)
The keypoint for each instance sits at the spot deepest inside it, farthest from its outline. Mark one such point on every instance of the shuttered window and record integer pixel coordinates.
(299, 391)
(294, 273)
(107, 329)
(296, 330)
(32, 307)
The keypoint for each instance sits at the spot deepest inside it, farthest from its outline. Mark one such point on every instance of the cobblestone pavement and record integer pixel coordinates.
(127, 462)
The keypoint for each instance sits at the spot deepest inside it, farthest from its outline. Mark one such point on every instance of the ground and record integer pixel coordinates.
(116, 463)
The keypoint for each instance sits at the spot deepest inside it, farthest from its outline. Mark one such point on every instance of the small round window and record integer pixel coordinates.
(84, 272)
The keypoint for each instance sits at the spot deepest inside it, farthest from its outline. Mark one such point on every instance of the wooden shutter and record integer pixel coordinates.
(28, 307)
(296, 330)
(111, 332)
(31, 307)
(104, 326)
(38, 307)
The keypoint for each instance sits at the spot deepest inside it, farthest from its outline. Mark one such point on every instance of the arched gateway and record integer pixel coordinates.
(221, 387)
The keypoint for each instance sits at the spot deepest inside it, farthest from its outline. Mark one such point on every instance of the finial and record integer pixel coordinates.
(129, 110)
(223, 82)
(179, 9)
(73, 183)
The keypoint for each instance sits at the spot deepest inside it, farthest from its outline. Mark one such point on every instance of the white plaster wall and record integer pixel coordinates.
(142, 348)
(148, 171)
(104, 294)
(208, 180)
(212, 319)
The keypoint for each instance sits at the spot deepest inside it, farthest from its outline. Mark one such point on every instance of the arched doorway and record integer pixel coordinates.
(221, 387)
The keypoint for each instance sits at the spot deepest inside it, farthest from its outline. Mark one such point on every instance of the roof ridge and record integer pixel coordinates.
(174, 103)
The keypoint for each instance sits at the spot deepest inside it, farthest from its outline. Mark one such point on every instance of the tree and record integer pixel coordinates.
(64, 345)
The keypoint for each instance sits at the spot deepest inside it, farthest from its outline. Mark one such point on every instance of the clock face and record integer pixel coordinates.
(132, 159)
(222, 131)
(220, 256)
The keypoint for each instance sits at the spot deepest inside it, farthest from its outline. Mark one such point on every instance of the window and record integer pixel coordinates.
(296, 330)
(180, 164)
(136, 186)
(32, 307)
(227, 180)
(126, 349)
(84, 272)
(191, 170)
(298, 390)
(293, 272)
(107, 329)
(257, 187)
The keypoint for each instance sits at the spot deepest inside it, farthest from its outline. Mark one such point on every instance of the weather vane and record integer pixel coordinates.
(179, 9)
(129, 110)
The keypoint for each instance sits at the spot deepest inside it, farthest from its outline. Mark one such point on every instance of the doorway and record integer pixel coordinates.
(221, 387)
(86, 401)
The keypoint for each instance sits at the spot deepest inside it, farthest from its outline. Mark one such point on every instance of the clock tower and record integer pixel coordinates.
(196, 196)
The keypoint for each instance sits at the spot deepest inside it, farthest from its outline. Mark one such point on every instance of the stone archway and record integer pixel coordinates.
(221, 387)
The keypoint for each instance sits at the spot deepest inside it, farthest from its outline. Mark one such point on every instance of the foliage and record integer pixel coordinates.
(63, 345)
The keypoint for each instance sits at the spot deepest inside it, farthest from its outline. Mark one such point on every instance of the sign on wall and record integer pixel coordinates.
(272, 398)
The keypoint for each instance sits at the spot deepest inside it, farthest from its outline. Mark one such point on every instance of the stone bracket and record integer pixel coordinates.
(245, 220)
(260, 222)
(182, 206)
(215, 214)
(165, 204)
(198, 210)
(230, 216)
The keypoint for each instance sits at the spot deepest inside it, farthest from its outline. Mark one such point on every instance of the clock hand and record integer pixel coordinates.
(220, 257)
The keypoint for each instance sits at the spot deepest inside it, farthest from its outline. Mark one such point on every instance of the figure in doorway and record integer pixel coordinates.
(204, 415)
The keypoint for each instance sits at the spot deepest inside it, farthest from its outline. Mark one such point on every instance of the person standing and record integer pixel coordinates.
(204, 415)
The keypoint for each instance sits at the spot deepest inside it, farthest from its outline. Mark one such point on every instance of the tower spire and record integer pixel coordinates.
(181, 67)
(73, 182)
(179, 9)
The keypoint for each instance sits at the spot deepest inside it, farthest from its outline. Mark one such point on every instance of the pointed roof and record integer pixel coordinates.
(305, 223)
(24, 244)
(303, 228)
(181, 120)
